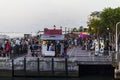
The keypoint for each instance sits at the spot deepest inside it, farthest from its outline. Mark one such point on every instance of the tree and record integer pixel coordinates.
(95, 27)
(74, 30)
(109, 18)
(80, 29)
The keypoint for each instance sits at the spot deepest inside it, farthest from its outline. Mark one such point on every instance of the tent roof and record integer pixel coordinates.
(52, 37)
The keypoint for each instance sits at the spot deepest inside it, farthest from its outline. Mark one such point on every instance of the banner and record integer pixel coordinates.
(52, 31)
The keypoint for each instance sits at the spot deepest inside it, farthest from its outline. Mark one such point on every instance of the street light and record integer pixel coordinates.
(65, 29)
(68, 30)
(117, 38)
(109, 34)
(109, 40)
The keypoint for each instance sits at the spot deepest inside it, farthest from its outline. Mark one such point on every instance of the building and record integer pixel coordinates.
(93, 16)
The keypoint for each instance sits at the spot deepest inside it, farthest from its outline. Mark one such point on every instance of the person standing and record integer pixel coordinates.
(62, 48)
(65, 47)
(7, 49)
(75, 42)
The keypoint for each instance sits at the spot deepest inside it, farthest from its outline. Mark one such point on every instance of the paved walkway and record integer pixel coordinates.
(77, 54)
(77, 51)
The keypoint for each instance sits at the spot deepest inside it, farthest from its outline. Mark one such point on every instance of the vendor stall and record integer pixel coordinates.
(50, 40)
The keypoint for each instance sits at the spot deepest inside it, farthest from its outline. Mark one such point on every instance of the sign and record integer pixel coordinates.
(52, 31)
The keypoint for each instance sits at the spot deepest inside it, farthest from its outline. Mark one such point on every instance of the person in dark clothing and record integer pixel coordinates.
(25, 48)
(1, 51)
(58, 49)
(65, 47)
(48, 44)
(31, 48)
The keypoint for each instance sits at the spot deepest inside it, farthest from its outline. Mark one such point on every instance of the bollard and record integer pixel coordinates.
(66, 67)
(38, 65)
(12, 68)
(24, 66)
(52, 66)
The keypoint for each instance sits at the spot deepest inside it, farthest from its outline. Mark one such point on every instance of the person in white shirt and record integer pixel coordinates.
(75, 42)
(17, 42)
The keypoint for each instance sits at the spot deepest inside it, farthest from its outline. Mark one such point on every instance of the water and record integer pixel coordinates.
(81, 78)
(17, 34)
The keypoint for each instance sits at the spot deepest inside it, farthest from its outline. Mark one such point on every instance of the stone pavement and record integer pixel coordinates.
(77, 54)
(77, 51)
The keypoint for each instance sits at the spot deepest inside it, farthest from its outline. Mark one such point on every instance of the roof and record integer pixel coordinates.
(52, 37)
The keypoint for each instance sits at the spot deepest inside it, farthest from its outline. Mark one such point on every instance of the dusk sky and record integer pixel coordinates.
(34, 15)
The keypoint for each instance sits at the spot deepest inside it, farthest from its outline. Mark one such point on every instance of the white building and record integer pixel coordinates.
(94, 16)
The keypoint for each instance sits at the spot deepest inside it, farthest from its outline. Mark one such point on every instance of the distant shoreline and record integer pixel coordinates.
(16, 35)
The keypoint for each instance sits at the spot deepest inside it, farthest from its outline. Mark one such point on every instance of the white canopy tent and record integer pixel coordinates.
(52, 37)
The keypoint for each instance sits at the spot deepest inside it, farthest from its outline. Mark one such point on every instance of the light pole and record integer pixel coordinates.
(117, 39)
(108, 40)
(65, 29)
(109, 34)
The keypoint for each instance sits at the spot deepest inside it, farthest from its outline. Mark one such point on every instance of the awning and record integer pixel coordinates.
(83, 35)
(52, 37)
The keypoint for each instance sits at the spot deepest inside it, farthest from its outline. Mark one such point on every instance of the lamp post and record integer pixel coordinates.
(61, 29)
(65, 29)
(108, 41)
(117, 39)
(109, 34)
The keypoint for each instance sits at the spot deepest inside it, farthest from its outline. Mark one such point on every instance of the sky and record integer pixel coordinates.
(34, 15)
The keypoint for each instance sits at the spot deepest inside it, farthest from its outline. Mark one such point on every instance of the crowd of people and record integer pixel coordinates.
(10, 47)
(16, 47)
